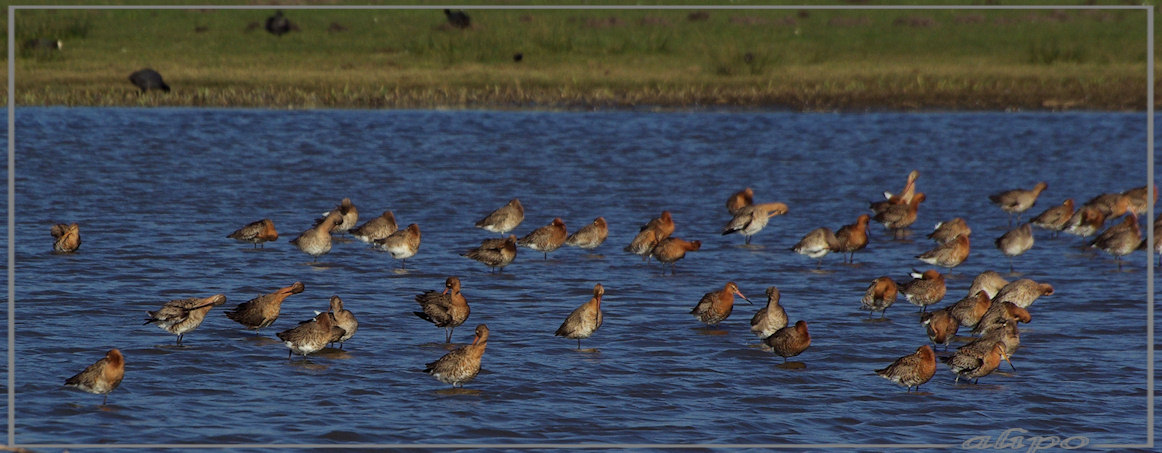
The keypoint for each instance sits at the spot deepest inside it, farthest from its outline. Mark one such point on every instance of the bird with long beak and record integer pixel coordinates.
(715, 306)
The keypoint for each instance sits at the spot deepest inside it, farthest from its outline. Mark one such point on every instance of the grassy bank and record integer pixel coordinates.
(788, 59)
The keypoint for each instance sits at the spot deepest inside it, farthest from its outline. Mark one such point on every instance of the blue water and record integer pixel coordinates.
(156, 191)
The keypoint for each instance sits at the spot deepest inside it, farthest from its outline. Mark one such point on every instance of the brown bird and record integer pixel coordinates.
(897, 217)
(673, 249)
(715, 306)
(1015, 242)
(880, 295)
(907, 193)
(853, 237)
(771, 318)
(1085, 222)
(503, 219)
(1138, 202)
(463, 363)
(988, 281)
(402, 244)
(925, 289)
(344, 319)
(1023, 292)
(494, 253)
(377, 228)
(817, 244)
(1055, 218)
(946, 232)
(183, 315)
(547, 238)
(263, 310)
(446, 309)
(66, 238)
(790, 341)
(752, 219)
(940, 325)
(1017, 201)
(256, 232)
(316, 240)
(739, 200)
(309, 336)
(969, 310)
(101, 377)
(653, 232)
(584, 320)
(947, 255)
(912, 370)
(589, 236)
(1121, 239)
(350, 216)
(999, 313)
(1110, 204)
(977, 362)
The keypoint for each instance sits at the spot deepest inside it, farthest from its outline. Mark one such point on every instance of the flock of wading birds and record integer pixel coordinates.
(992, 308)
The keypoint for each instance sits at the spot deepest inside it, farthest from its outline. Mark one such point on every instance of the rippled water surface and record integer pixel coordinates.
(157, 190)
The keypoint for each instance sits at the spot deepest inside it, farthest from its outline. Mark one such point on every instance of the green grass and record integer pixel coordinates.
(797, 59)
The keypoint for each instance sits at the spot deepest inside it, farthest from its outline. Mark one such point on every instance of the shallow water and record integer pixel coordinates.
(157, 190)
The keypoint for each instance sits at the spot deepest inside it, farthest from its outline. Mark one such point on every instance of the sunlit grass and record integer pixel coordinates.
(796, 59)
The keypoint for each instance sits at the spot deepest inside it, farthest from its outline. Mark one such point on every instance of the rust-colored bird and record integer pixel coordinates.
(673, 249)
(1085, 222)
(790, 341)
(263, 310)
(880, 295)
(853, 237)
(1138, 201)
(256, 233)
(716, 306)
(969, 310)
(653, 232)
(447, 309)
(998, 314)
(101, 377)
(547, 238)
(977, 361)
(494, 253)
(907, 193)
(584, 320)
(66, 238)
(183, 315)
(940, 325)
(1110, 204)
(739, 200)
(463, 363)
(912, 370)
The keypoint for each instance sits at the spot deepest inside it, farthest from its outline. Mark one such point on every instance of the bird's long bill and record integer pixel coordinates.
(1006, 357)
(476, 338)
(446, 290)
(743, 297)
